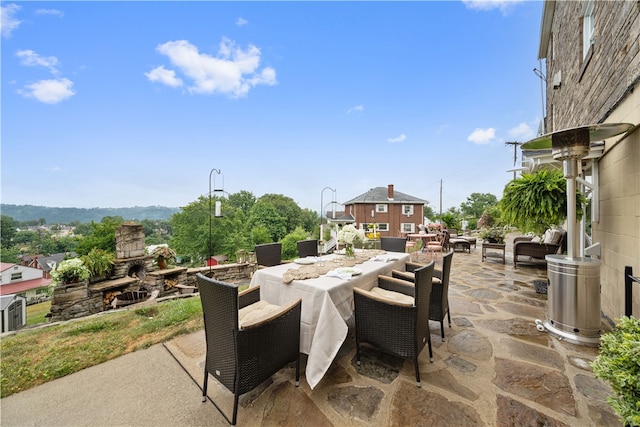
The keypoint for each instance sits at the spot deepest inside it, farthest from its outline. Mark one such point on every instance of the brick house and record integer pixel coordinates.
(393, 212)
(592, 59)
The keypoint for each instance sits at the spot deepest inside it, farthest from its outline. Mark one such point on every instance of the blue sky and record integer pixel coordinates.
(119, 104)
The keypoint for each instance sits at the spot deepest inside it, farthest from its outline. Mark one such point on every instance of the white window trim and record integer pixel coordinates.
(588, 27)
(381, 208)
(404, 209)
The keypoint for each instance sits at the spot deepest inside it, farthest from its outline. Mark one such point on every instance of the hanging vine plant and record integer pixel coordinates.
(535, 202)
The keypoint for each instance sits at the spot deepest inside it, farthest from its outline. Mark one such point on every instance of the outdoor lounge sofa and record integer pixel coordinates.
(529, 248)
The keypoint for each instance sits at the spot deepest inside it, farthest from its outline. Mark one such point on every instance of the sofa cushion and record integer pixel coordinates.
(553, 237)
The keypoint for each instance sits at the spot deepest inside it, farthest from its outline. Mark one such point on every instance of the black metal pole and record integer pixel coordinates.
(210, 215)
(628, 290)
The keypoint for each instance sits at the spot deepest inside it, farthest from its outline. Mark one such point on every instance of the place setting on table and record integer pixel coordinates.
(336, 265)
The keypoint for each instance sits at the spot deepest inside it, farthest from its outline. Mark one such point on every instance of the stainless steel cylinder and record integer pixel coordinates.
(573, 298)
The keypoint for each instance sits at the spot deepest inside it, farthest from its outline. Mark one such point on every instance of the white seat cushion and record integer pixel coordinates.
(255, 313)
(392, 296)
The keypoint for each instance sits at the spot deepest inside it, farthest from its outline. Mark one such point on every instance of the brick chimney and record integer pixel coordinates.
(390, 192)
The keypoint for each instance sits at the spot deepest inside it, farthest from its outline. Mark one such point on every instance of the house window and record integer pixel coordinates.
(381, 208)
(407, 227)
(588, 27)
(383, 226)
(407, 209)
(16, 276)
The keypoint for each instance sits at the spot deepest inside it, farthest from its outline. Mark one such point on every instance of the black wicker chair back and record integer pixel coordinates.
(241, 359)
(440, 293)
(395, 328)
(307, 248)
(269, 254)
(393, 244)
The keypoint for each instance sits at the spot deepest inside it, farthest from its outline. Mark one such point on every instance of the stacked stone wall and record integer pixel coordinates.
(590, 88)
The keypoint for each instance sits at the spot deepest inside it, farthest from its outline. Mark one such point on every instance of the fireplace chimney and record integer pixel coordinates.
(390, 192)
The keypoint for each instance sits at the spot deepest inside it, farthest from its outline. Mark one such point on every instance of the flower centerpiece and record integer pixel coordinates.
(70, 271)
(349, 235)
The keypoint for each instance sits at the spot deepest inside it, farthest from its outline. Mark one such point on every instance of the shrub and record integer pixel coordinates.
(619, 364)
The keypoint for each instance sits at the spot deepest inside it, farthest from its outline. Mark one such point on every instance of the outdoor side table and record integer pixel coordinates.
(496, 251)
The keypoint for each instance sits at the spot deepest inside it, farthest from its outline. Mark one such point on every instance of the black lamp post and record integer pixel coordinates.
(218, 214)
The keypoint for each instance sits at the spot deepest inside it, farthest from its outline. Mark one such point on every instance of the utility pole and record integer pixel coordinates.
(440, 197)
(515, 144)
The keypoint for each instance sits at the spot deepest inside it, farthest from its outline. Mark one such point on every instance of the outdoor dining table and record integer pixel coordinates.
(327, 301)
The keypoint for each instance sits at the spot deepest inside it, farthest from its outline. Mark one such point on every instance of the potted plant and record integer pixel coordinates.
(618, 363)
(535, 202)
(99, 262)
(493, 235)
(163, 254)
(70, 271)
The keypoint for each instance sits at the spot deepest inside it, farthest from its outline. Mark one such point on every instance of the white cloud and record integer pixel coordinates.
(241, 21)
(32, 59)
(503, 5)
(54, 12)
(233, 71)
(398, 138)
(8, 21)
(522, 132)
(482, 136)
(49, 91)
(162, 75)
(356, 109)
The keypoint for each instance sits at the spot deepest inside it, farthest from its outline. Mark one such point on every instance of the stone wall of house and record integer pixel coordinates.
(590, 88)
(603, 88)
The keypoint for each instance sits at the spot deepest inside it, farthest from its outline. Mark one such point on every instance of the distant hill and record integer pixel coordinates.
(84, 215)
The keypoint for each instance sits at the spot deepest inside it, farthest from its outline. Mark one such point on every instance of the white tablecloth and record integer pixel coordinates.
(327, 302)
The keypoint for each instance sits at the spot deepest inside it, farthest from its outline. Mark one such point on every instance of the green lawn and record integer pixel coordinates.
(36, 313)
(33, 357)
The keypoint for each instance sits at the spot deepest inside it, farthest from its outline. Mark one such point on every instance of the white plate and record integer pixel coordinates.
(349, 270)
(306, 261)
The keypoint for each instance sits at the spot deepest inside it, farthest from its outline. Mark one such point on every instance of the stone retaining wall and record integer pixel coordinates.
(81, 299)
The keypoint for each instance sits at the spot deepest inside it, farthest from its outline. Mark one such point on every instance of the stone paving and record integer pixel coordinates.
(493, 368)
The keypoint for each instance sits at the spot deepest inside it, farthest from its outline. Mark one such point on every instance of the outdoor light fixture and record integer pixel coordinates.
(321, 200)
(573, 291)
(218, 213)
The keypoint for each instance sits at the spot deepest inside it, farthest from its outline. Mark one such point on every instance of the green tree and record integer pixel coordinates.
(476, 204)
(311, 222)
(243, 200)
(287, 209)
(102, 235)
(290, 243)
(8, 230)
(427, 211)
(265, 214)
(10, 255)
(191, 230)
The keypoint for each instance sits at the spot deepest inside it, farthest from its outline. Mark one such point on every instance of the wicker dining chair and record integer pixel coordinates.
(393, 244)
(245, 347)
(394, 316)
(307, 248)
(439, 304)
(268, 254)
